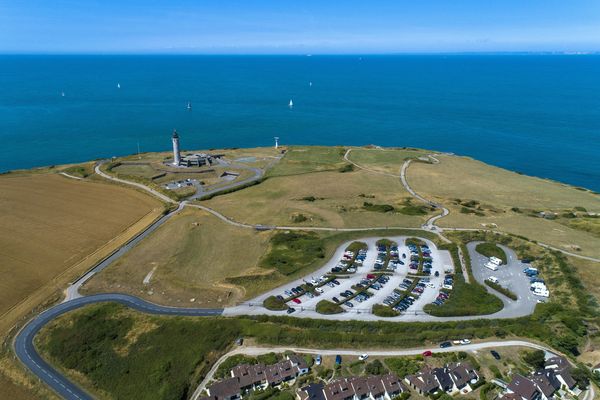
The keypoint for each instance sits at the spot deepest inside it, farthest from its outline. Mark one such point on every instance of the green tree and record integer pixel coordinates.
(581, 377)
(535, 358)
(375, 368)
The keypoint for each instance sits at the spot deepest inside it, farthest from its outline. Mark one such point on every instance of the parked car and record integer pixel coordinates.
(444, 345)
(318, 360)
(336, 299)
(338, 359)
(291, 310)
(495, 354)
(297, 300)
(427, 353)
(363, 357)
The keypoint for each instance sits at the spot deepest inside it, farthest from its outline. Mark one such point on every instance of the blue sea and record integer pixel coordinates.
(535, 114)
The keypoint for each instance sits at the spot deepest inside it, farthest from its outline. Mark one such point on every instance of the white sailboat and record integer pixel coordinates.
(291, 105)
(118, 85)
(310, 84)
(189, 105)
(62, 94)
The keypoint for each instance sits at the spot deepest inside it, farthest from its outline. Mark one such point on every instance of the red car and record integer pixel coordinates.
(427, 353)
(371, 276)
(296, 300)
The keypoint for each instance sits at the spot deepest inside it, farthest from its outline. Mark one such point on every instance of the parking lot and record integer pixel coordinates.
(510, 276)
(362, 278)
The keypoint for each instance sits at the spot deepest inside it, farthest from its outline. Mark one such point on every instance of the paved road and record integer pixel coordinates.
(258, 173)
(256, 351)
(26, 352)
(72, 291)
(511, 277)
(138, 185)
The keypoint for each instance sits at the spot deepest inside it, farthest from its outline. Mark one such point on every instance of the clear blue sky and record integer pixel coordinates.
(300, 26)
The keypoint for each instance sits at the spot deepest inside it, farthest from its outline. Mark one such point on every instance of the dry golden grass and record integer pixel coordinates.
(193, 254)
(500, 190)
(465, 178)
(338, 204)
(539, 229)
(50, 223)
(384, 160)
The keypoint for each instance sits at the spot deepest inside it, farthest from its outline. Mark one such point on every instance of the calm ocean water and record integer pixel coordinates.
(539, 115)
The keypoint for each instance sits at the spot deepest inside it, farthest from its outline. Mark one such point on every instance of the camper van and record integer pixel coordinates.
(491, 265)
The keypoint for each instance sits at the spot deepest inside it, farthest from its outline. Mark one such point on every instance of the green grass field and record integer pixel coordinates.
(302, 160)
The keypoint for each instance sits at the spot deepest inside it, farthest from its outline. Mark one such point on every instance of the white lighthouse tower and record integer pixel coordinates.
(176, 155)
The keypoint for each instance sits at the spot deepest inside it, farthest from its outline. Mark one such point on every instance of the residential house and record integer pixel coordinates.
(463, 375)
(546, 382)
(562, 371)
(228, 389)
(339, 389)
(314, 391)
(524, 388)
(250, 377)
(424, 381)
(299, 363)
(392, 386)
(376, 388)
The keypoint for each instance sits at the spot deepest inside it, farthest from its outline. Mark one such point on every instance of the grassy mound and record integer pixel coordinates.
(327, 307)
(466, 299)
(489, 249)
(274, 304)
(291, 251)
(384, 311)
(501, 289)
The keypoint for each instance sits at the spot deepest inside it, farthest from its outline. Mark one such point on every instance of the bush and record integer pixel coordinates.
(381, 208)
(536, 359)
(384, 311)
(274, 304)
(491, 250)
(375, 368)
(403, 366)
(298, 218)
(327, 307)
(346, 168)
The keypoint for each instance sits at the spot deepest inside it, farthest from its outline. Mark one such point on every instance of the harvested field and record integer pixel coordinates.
(50, 223)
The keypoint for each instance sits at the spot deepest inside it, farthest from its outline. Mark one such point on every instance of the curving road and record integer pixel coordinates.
(257, 351)
(23, 343)
(25, 349)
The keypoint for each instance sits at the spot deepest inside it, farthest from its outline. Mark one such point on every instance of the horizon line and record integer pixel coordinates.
(305, 54)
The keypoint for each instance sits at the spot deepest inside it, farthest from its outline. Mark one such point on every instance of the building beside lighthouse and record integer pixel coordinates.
(176, 153)
(191, 159)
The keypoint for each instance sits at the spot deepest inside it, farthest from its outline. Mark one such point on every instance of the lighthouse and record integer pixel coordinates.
(176, 155)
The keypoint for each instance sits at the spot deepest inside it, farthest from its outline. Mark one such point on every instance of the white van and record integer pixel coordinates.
(493, 279)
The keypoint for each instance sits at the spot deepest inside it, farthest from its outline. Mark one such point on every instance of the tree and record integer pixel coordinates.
(375, 368)
(536, 359)
(581, 378)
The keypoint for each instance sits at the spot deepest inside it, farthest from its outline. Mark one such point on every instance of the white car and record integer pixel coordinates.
(363, 357)
(319, 290)
(465, 341)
